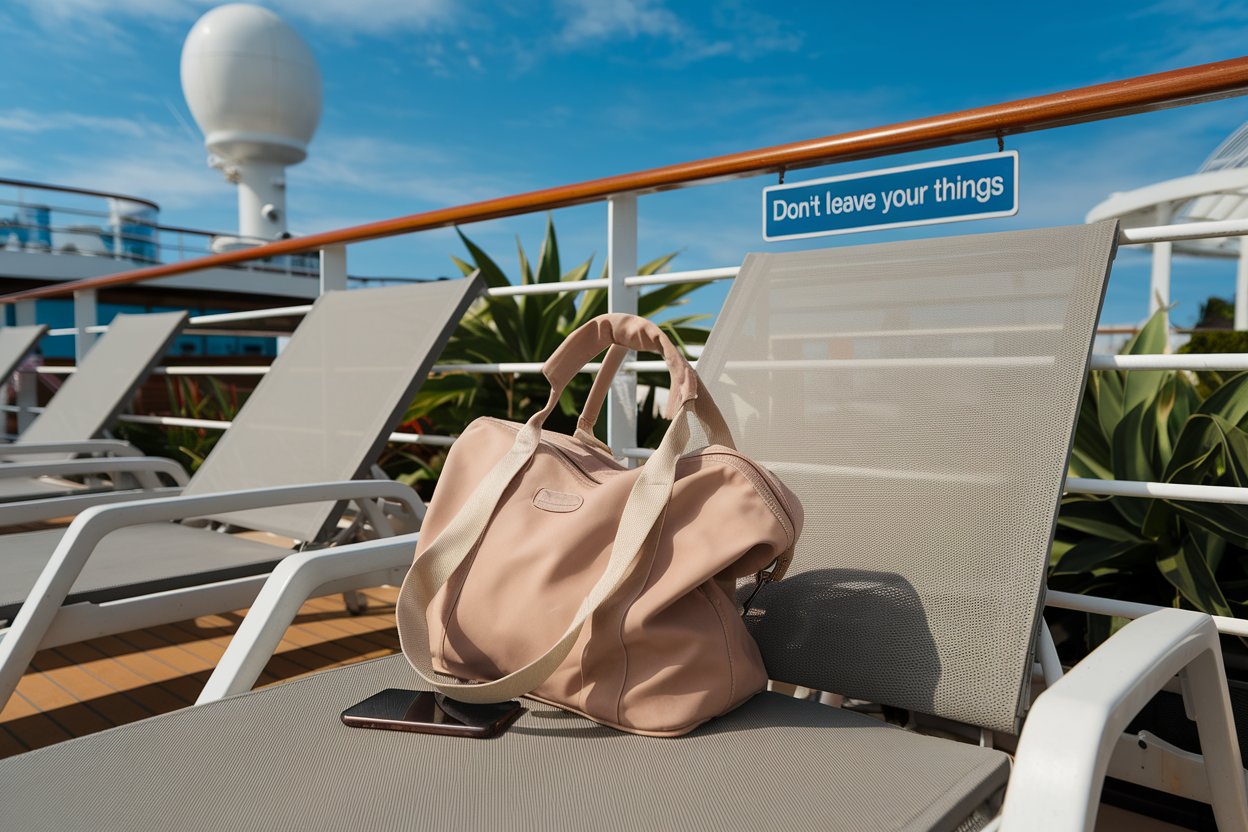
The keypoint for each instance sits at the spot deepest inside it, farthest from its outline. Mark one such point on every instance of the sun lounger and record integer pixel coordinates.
(317, 421)
(920, 398)
(84, 407)
(15, 343)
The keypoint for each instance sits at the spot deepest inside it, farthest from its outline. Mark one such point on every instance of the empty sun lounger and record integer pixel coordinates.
(317, 421)
(85, 406)
(15, 343)
(920, 398)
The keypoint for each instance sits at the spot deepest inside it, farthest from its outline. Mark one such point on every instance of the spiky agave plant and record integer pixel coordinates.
(1171, 426)
(527, 328)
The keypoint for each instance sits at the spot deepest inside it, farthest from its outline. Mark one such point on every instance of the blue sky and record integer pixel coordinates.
(430, 103)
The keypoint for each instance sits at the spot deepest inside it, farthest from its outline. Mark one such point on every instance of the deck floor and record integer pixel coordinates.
(86, 687)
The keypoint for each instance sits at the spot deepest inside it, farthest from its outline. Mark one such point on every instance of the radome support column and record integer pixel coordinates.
(261, 200)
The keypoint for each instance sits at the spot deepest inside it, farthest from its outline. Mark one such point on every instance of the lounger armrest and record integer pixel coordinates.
(1073, 727)
(116, 447)
(296, 579)
(139, 465)
(104, 519)
(19, 511)
(26, 632)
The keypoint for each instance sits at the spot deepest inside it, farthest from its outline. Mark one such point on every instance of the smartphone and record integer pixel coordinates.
(426, 712)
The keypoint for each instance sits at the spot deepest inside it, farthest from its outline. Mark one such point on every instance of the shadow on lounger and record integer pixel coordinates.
(834, 629)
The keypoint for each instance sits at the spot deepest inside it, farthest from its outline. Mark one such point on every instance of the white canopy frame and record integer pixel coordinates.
(1217, 193)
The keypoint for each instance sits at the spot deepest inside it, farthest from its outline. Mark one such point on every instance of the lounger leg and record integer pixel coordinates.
(355, 601)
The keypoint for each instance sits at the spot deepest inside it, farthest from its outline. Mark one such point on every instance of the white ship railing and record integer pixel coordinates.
(1230, 362)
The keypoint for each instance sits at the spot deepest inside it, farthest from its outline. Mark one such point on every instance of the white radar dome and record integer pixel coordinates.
(252, 85)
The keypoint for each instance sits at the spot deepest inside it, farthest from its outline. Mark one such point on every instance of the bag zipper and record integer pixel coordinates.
(571, 463)
(762, 481)
(765, 484)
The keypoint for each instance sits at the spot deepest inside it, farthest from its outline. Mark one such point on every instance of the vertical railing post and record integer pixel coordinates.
(333, 269)
(621, 264)
(85, 315)
(27, 395)
(1241, 286)
(1159, 286)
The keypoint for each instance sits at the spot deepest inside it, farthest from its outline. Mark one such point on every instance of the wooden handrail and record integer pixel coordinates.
(1206, 82)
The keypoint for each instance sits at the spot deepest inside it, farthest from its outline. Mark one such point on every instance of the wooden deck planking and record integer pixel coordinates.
(82, 688)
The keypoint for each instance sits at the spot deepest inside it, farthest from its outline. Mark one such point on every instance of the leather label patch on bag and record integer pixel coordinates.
(560, 501)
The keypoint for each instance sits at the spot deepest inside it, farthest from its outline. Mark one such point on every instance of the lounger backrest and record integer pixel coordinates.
(331, 398)
(106, 379)
(920, 398)
(15, 342)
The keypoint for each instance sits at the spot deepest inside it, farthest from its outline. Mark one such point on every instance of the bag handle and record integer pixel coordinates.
(621, 332)
(704, 406)
(646, 504)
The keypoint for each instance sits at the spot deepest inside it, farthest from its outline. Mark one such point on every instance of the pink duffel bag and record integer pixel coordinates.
(545, 568)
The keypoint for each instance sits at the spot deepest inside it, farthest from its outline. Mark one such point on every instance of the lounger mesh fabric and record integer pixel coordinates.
(105, 381)
(280, 759)
(322, 412)
(920, 398)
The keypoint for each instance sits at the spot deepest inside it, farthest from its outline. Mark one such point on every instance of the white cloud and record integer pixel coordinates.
(175, 174)
(422, 175)
(735, 29)
(374, 17)
(21, 120)
(588, 22)
(95, 19)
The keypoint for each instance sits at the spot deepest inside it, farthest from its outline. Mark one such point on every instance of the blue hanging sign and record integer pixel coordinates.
(970, 188)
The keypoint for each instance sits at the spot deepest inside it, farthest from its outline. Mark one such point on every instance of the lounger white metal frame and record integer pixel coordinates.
(91, 447)
(239, 491)
(44, 620)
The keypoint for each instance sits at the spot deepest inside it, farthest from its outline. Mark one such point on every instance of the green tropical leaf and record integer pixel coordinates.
(1163, 406)
(1224, 463)
(664, 297)
(490, 272)
(1095, 554)
(1096, 517)
(1230, 401)
(1091, 449)
(1135, 439)
(438, 391)
(1186, 402)
(1140, 386)
(1109, 399)
(522, 328)
(1187, 570)
(526, 272)
(548, 270)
